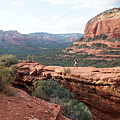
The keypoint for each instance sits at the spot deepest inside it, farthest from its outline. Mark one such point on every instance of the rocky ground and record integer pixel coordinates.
(22, 106)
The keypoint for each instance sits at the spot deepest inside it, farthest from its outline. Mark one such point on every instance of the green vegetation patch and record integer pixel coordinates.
(5, 80)
(54, 93)
(8, 60)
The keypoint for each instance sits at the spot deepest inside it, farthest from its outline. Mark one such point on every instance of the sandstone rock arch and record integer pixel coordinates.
(97, 88)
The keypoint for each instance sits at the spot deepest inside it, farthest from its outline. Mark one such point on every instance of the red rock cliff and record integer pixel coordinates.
(107, 23)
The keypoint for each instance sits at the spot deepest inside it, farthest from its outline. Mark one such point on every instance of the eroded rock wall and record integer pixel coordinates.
(107, 23)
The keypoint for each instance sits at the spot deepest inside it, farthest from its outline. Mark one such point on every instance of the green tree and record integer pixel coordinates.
(5, 79)
(70, 107)
(28, 57)
(33, 57)
(36, 89)
(1, 84)
(8, 60)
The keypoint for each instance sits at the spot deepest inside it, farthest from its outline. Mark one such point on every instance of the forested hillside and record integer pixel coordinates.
(98, 52)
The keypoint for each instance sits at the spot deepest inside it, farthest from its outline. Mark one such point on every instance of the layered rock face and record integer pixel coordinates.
(97, 88)
(107, 23)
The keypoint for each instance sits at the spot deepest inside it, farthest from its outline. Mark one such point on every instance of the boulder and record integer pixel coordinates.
(39, 69)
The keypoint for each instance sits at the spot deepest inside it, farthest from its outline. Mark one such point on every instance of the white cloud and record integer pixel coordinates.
(81, 6)
(33, 21)
(70, 16)
(69, 25)
(61, 2)
(7, 11)
(94, 5)
(18, 3)
(56, 16)
(81, 2)
(85, 4)
(6, 26)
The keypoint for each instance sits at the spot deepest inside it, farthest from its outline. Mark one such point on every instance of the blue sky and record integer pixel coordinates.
(52, 16)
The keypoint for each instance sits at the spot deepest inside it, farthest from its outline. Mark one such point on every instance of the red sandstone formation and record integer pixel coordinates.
(113, 46)
(22, 106)
(97, 88)
(107, 23)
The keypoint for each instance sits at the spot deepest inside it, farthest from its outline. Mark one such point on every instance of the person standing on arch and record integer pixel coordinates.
(76, 63)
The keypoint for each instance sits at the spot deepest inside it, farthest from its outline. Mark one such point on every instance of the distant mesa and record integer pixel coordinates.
(14, 37)
(69, 37)
(107, 22)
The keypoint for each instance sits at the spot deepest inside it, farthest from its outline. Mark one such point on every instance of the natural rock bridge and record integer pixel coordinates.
(97, 88)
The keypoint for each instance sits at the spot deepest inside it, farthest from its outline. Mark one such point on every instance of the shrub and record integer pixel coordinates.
(64, 98)
(89, 39)
(36, 89)
(8, 90)
(70, 107)
(28, 57)
(66, 70)
(32, 57)
(5, 81)
(5, 74)
(8, 60)
(1, 84)
(12, 69)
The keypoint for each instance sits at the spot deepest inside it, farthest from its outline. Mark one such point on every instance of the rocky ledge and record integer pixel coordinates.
(97, 88)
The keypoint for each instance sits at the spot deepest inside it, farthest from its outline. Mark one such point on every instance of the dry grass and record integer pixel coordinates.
(8, 90)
